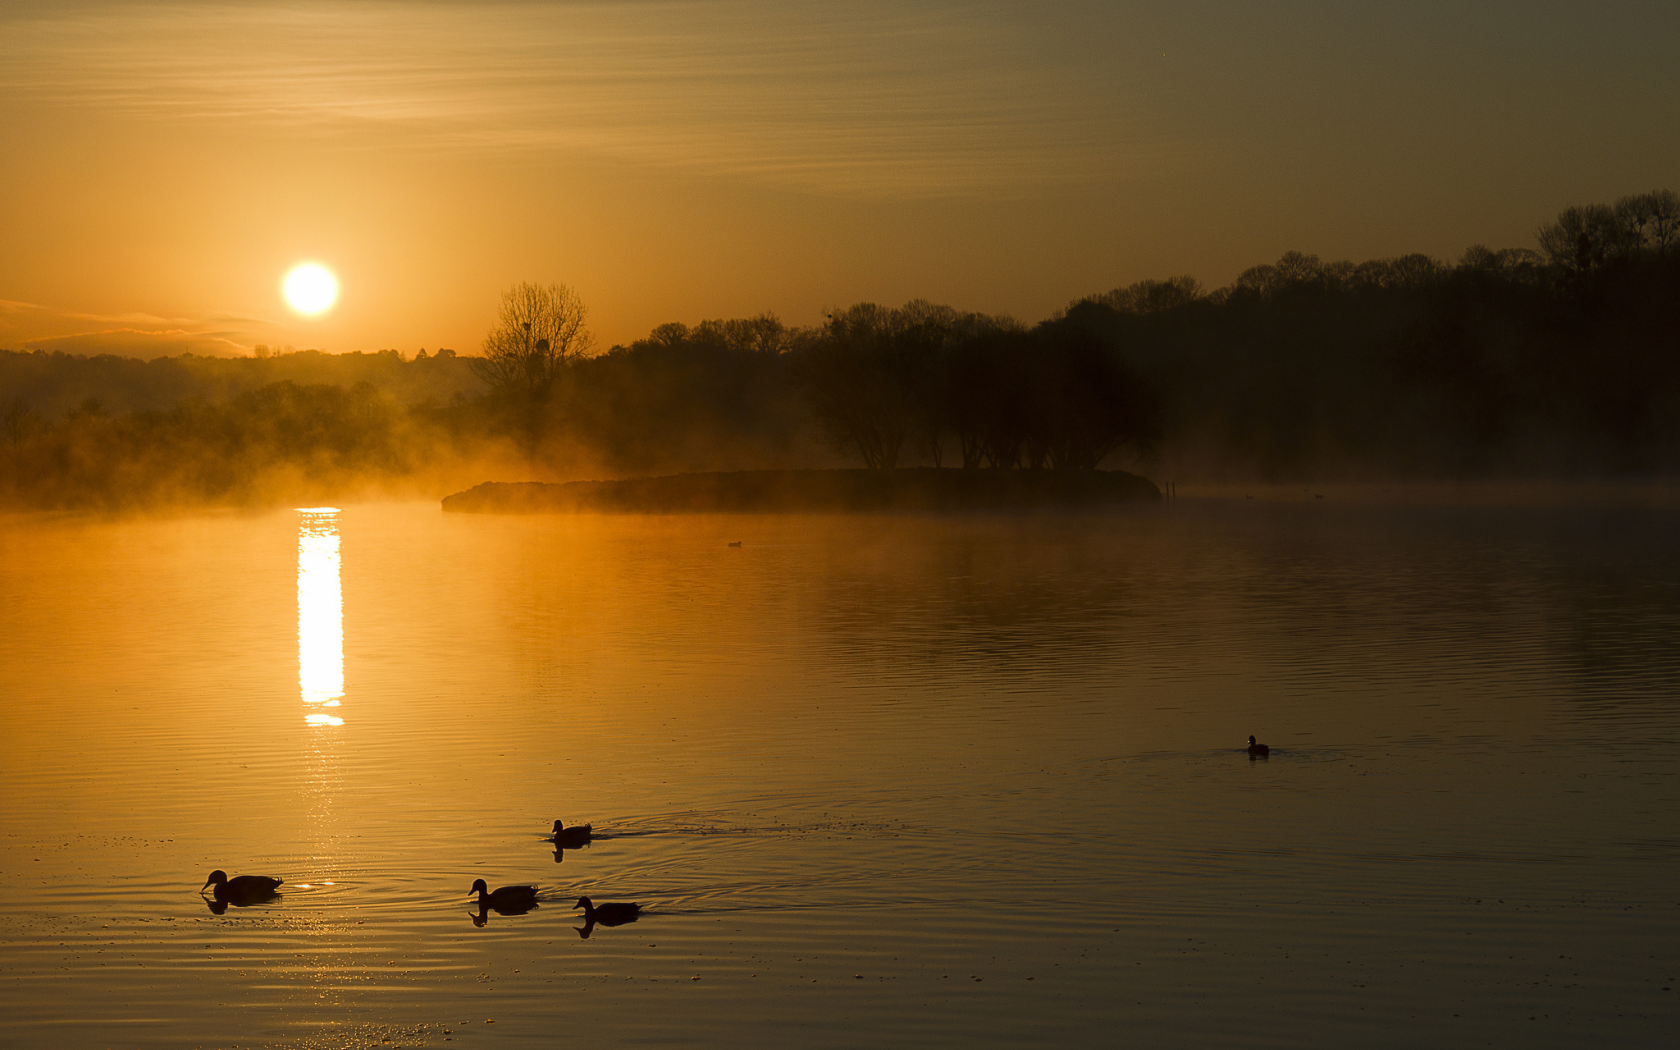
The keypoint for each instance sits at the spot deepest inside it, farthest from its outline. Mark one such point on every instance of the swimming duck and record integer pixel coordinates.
(504, 896)
(611, 914)
(481, 916)
(241, 889)
(1257, 749)
(576, 835)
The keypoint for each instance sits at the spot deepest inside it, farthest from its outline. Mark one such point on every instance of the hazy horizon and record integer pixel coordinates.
(674, 162)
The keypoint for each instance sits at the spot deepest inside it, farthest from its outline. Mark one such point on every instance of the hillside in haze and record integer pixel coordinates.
(51, 384)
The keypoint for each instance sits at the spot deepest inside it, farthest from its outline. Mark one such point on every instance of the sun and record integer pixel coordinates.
(310, 288)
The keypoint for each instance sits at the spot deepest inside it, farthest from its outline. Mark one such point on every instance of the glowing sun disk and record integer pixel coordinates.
(310, 288)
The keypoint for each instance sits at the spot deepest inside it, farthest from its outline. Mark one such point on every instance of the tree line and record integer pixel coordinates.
(1561, 359)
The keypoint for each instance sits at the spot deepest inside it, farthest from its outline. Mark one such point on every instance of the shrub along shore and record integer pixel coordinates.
(813, 491)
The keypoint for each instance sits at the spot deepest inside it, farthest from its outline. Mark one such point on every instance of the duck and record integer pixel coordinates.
(1257, 749)
(576, 835)
(504, 896)
(241, 889)
(611, 914)
(735, 543)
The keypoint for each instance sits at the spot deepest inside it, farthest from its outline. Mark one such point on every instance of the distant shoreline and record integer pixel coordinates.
(813, 491)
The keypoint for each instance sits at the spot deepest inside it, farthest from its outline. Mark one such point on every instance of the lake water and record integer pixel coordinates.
(878, 781)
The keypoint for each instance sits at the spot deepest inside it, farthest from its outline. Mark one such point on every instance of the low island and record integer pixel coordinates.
(815, 491)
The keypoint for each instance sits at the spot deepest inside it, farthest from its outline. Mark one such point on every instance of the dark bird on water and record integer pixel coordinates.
(1257, 749)
(576, 835)
(610, 914)
(504, 896)
(241, 889)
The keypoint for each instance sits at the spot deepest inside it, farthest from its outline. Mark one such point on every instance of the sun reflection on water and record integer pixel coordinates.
(320, 615)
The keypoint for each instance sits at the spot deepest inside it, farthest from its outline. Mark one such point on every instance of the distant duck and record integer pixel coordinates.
(576, 835)
(1257, 749)
(505, 896)
(607, 914)
(736, 543)
(241, 889)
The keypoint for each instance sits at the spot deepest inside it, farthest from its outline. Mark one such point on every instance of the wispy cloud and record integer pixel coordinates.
(32, 326)
(134, 342)
(131, 318)
(869, 99)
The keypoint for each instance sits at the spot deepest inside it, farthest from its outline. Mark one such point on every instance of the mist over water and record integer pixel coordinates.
(883, 780)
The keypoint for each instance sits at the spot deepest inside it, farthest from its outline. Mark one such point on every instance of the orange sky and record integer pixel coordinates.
(164, 165)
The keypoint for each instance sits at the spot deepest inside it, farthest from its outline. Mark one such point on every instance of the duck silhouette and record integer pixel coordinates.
(240, 890)
(588, 927)
(504, 899)
(572, 837)
(1257, 749)
(481, 917)
(610, 914)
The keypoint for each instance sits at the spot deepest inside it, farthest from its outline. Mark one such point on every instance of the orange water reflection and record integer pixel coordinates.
(1002, 742)
(320, 600)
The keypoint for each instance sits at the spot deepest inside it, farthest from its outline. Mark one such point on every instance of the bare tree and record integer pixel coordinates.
(1148, 297)
(857, 377)
(875, 375)
(1652, 220)
(1584, 238)
(539, 331)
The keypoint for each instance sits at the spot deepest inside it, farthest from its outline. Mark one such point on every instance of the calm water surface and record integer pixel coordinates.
(877, 780)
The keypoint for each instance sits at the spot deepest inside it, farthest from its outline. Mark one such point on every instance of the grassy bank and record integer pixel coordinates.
(826, 491)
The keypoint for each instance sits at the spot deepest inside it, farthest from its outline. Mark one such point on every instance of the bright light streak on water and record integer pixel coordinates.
(320, 600)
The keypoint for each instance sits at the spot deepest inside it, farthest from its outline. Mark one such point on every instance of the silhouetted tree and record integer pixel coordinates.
(1583, 238)
(764, 334)
(990, 381)
(719, 394)
(1652, 217)
(1515, 264)
(877, 377)
(857, 374)
(538, 332)
(1148, 297)
(1090, 401)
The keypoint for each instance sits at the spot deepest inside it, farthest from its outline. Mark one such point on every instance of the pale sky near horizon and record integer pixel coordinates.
(674, 161)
